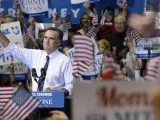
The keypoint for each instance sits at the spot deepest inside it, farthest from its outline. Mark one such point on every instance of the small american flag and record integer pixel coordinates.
(66, 23)
(5, 95)
(92, 31)
(20, 106)
(153, 69)
(28, 38)
(132, 34)
(110, 63)
(70, 53)
(103, 18)
(84, 54)
(16, 4)
(63, 24)
(59, 21)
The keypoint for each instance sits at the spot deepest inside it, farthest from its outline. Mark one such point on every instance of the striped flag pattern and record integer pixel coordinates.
(103, 18)
(95, 20)
(153, 69)
(92, 31)
(5, 95)
(20, 106)
(63, 24)
(84, 54)
(129, 34)
(59, 21)
(66, 23)
(70, 53)
(79, 67)
(133, 35)
(16, 4)
(28, 38)
(110, 63)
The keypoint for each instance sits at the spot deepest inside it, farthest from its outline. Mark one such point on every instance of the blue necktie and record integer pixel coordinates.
(41, 80)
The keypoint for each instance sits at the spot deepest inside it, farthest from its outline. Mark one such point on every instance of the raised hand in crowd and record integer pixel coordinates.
(143, 23)
(58, 115)
(13, 81)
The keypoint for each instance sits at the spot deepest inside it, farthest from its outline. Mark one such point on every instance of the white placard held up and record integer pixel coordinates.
(42, 26)
(142, 46)
(19, 68)
(13, 32)
(34, 6)
(77, 1)
(113, 101)
(81, 1)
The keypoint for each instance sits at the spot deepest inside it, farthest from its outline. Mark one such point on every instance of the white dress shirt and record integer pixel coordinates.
(59, 72)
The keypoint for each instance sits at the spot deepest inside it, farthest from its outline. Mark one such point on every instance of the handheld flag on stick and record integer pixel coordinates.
(20, 106)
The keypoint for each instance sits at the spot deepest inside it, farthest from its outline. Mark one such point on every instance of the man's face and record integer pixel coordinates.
(119, 24)
(50, 42)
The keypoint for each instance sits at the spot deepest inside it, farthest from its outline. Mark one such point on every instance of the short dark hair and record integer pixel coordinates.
(59, 32)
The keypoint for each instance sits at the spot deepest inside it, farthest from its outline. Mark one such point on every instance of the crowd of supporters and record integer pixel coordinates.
(100, 48)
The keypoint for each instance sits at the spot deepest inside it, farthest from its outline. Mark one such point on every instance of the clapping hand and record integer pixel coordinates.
(58, 115)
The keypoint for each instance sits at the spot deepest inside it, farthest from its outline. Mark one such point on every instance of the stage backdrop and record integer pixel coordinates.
(62, 7)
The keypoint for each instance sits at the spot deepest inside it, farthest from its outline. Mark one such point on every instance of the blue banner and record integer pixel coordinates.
(62, 7)
(50, 99)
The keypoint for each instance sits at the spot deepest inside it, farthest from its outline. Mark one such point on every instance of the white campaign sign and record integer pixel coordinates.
(141, 48)
(77, 1)
(42, 26)
(113, 101)
(13, 32)
(34, 6)
(19, 68)
(157, 20)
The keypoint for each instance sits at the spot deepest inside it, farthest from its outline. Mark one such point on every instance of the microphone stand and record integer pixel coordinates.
(148, 48)
(41, 77)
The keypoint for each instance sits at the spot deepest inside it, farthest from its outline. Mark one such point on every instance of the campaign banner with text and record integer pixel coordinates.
(50, 99)
(13, 32)
(20, 71)
(63, 7)
(34, 7)
(19, 68)
(113, 101)
(143, 46)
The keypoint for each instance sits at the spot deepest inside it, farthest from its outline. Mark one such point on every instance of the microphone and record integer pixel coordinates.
(34, 74)
(43, 72)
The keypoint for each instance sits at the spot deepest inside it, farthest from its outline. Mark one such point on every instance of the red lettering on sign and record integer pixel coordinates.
(112, 97)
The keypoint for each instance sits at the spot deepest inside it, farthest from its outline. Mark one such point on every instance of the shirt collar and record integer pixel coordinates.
(52, 54)
(81, 31)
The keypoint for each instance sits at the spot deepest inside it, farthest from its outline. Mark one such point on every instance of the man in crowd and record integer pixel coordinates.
(57, 66)
(117, 38)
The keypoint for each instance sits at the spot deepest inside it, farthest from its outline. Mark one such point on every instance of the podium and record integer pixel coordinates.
(50, 99)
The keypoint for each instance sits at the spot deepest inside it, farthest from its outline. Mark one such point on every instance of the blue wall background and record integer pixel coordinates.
(135, 6)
